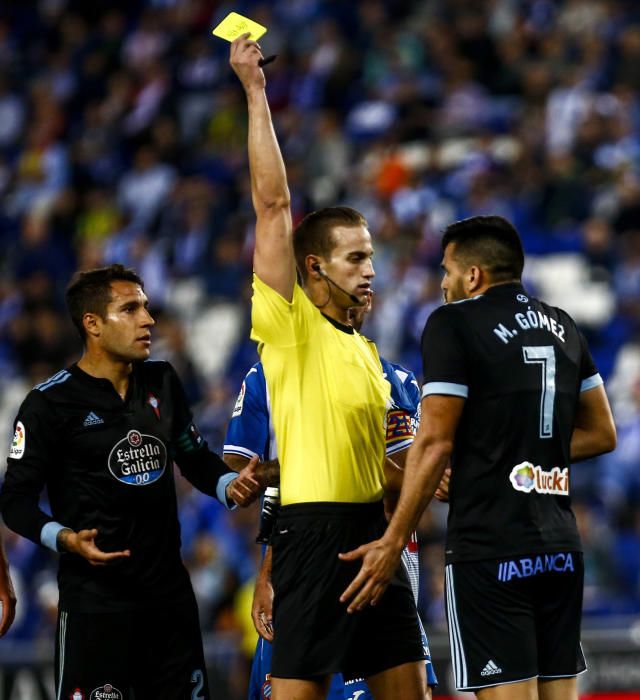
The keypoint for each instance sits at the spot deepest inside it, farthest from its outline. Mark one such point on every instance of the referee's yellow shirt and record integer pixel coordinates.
(328, 401)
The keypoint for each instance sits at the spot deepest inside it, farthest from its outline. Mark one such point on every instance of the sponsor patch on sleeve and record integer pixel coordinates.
(19, 443)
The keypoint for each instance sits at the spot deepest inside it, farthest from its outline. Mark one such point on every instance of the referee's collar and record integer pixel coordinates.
(340, 326)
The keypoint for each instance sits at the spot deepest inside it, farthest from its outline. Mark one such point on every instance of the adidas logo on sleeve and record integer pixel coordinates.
(92, 419)
(490, 669)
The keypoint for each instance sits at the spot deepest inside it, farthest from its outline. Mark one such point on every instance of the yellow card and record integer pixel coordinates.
(233, 25)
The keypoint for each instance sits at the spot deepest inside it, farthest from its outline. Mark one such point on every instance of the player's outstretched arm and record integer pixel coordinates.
(273, 259)
(7, 594)
(83, 543)
(428, 457)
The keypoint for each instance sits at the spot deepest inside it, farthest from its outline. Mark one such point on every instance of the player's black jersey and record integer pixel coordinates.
(108, 464)
(521, 366)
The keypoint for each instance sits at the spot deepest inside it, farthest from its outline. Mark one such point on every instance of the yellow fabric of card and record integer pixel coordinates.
(233, 25)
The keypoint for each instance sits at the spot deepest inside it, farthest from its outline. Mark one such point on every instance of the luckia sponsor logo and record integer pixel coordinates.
(527, 478)
(138, 459)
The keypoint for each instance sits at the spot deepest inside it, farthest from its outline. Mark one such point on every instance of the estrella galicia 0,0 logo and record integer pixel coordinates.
(138, 459)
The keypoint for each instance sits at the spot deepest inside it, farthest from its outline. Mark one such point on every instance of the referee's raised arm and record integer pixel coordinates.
(273, 259)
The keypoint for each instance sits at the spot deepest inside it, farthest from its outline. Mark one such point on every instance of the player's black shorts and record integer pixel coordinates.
(313, 633)
(515, 619)
(156, 652)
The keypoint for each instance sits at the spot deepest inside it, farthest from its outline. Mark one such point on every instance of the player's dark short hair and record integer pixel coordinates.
(90, 291)
(314, 234)
(490, 242)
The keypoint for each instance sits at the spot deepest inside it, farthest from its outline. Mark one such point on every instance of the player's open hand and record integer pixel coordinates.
(380, 560)
(246, 487)
(8, 600)
(442, 492)
(244, 58)
(83, 543)
(262, 608)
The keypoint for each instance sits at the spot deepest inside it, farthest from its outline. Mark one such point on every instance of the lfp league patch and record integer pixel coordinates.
(19, 443)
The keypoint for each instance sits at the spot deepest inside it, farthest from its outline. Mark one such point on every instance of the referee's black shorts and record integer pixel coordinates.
(314, 634)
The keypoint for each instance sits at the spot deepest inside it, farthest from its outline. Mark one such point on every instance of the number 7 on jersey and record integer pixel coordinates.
(545, 356)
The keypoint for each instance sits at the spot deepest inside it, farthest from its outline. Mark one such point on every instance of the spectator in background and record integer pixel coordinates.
(144, 187)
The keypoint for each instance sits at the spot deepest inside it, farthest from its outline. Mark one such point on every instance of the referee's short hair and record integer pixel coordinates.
(490, 242)
(314, 234)
(90, 291)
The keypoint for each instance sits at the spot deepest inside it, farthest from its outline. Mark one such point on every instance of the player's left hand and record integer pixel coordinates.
(8, 600)
(380, 560)
(246, 487)
(442, 492)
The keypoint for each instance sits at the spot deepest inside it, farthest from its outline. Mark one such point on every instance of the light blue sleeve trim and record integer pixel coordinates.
(446, 388)
(221, 490)
(49, 535)
(591, 382)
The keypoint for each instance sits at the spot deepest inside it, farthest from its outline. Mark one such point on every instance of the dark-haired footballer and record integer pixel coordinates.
(102, 436)
(511, 395)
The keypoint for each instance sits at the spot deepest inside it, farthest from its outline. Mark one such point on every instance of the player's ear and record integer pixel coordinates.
(92, 324)
(474, 278)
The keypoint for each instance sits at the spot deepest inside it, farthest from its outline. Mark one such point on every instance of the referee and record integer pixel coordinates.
(102, 436)
(512, 396)
(329, 403)
(250, 433)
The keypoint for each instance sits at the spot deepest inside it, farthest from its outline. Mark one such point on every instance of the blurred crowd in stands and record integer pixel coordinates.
(123, 138)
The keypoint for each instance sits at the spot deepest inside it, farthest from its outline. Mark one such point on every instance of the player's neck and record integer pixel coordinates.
(490, 285)
(102, 367)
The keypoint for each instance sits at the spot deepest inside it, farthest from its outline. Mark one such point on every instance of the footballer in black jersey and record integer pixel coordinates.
(102, 437)
(511, 397)
(521, 365)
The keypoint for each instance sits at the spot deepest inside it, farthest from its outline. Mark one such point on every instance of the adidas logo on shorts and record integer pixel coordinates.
(490, 669)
